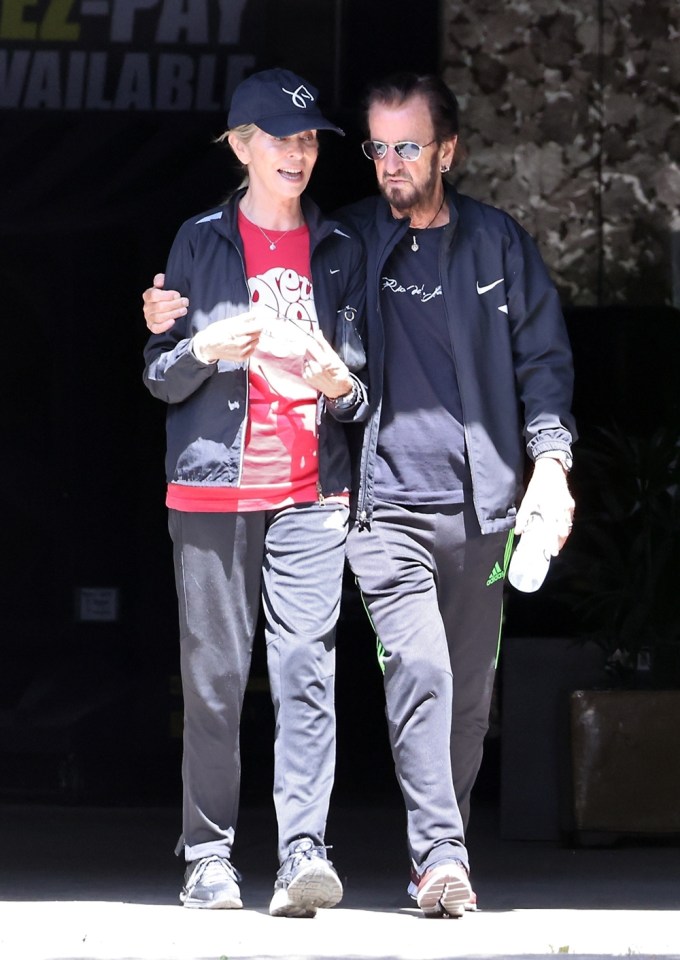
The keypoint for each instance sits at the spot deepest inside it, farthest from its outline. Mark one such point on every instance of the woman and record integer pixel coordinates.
(258, 478)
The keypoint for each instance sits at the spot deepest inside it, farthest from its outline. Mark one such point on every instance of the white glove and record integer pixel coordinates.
(548, 495)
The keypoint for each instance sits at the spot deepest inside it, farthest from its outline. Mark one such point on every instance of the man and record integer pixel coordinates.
(469, 371)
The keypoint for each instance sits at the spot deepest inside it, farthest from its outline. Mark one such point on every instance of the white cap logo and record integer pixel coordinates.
(299, 96)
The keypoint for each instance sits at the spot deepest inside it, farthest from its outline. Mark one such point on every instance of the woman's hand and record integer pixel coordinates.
(323, 369)
(233, 338)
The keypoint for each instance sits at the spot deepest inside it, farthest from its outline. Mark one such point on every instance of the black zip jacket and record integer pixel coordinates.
(510, 348)
(208, 402)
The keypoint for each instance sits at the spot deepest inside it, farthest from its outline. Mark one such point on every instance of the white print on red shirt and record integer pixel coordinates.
(283, 298)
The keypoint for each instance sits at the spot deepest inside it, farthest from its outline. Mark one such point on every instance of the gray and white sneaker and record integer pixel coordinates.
(305, 882)
(211, 883)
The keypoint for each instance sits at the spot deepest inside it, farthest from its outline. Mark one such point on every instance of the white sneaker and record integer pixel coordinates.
(282, 906)
(305, 882)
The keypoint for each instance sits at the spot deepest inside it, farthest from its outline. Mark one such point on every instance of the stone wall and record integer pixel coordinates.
(570, 120)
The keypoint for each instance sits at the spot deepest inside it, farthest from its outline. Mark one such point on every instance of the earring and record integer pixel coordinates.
(444, 169)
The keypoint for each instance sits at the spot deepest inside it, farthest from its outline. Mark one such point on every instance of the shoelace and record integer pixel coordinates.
(305, 850)
(212, 870)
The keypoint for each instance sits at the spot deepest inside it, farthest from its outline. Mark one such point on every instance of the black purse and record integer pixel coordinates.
(348, 343)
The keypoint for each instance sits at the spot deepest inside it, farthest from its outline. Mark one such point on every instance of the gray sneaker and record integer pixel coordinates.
(211, 883)
(305, 882)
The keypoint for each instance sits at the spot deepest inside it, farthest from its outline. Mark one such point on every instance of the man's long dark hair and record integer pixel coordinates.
(399, 87)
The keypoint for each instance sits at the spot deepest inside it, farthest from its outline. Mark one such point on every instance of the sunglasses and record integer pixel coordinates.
(405, 149)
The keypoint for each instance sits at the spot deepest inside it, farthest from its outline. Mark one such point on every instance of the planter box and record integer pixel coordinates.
(624, 760)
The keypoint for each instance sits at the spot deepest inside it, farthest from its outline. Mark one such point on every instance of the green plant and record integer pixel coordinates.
(620, 572)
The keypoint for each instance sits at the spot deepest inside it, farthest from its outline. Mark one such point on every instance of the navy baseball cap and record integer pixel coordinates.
(278, 102)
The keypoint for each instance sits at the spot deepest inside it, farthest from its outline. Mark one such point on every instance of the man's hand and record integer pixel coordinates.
(323, 369)
(233, 338)
(548, 494)
(162, 307)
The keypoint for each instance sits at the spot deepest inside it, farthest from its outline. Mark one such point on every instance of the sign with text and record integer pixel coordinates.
(122, 55)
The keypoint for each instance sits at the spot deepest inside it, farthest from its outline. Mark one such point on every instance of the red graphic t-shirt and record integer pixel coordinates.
(280, 461)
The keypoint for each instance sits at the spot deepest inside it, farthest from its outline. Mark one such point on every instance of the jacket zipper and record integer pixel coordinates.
(244, 429)
(444, 280)
(374, 422)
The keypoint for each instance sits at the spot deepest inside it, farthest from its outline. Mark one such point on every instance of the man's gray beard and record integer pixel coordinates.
(398, 198)
(401, 200)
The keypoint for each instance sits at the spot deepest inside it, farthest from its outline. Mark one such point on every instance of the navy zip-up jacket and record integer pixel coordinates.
(510, 347)
(208, 402)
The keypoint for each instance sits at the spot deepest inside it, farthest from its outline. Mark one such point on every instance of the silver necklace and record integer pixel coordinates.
(272, 244)
(414, 245)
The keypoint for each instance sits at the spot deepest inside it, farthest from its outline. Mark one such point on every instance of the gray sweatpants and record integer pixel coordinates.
(433, 586)
(224, 562)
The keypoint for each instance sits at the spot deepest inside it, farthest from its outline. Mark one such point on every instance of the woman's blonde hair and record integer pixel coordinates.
(245, 133)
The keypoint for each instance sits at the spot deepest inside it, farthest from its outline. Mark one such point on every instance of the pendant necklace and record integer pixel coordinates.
(414, 245)
(272, 243)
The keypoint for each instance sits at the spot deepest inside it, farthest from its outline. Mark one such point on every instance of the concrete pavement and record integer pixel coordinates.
(102, 883)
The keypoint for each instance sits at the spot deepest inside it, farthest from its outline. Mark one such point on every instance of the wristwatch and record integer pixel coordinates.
(348, 400)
